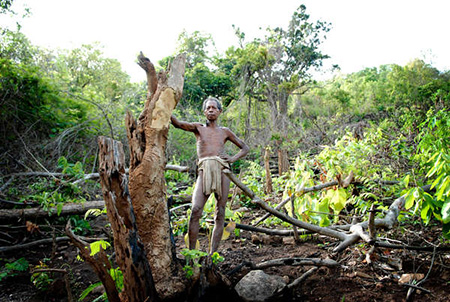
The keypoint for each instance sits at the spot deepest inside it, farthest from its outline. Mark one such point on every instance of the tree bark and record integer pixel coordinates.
(283, 161)
(67, 209)
(268, 188)
(147, 140)
(130, 254)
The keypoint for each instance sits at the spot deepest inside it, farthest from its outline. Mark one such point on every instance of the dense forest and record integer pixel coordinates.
(356, 167)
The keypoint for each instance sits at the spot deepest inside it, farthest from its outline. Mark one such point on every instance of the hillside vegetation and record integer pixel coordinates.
(385, 129)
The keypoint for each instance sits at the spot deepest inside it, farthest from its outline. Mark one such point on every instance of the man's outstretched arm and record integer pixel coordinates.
(186, 126)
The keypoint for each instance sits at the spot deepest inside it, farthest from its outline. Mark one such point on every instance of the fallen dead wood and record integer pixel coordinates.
(295, 261)
(84, 178)
(356, 231)
(387, 222)
(267, 231)
(43, 241)
(67, 209)
(412, 247)
(302, 278)
(307, 226)
(305, 190)
(99, 263)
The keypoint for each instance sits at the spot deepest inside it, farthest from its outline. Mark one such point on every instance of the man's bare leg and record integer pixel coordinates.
(219, 217)
(198, 202)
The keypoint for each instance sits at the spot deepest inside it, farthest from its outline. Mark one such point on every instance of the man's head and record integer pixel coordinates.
(219, 105)
(212, 108)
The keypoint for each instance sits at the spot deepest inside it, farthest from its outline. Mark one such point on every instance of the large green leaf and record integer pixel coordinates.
(338, 199)
(446, 212)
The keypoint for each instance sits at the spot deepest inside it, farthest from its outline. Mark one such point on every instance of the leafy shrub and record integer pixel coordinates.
(10, 269)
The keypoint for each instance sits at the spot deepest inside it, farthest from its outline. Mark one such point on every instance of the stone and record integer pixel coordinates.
(258, 286)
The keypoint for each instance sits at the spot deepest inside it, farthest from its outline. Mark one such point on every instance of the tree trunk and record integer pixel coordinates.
(268, 188)
(147, 139)
(283, 161)
(130, 254)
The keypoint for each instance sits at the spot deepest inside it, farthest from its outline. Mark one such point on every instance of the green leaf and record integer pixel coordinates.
(409, 199)
(406, 181)
(446, 213)
(95, 246)
(62, 162)
(88, 290)
(424, 213)
(443, 187)
(338, 200)
(59, 208)
(446, 230)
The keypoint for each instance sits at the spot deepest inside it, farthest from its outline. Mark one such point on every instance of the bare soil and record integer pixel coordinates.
(356, 280)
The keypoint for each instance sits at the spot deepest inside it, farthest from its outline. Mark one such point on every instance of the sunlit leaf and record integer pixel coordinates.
(406, 180)
(95, 246)
(424, 213)
(228, 230)
(446, 213)
(339, 200)
(186, 241)
(409, 200)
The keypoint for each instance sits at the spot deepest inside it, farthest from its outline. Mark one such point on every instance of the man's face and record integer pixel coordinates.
(211, 111)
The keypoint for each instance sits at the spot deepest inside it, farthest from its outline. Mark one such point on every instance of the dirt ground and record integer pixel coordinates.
(354, 281)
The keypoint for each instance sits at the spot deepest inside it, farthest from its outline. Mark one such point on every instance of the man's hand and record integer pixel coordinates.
(226, 158)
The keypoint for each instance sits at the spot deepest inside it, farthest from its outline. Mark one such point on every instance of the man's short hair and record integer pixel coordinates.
(219, 105)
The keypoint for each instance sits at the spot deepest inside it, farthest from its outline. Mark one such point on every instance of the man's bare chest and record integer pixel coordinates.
(212, 135)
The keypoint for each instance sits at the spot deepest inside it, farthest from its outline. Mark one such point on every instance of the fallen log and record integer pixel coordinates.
(96, 175)
(67, 209)
(28, 245)
(84, 178)
(356, 230)
(295, 261)
(305, 190)
(307, 226)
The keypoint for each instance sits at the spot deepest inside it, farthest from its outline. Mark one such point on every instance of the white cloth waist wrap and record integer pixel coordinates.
(212, 167)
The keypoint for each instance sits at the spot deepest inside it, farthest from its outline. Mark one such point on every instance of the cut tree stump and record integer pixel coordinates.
(130, 254)
(147, 137)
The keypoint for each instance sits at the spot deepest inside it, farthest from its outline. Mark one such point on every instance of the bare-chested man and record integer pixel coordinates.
(211, 140)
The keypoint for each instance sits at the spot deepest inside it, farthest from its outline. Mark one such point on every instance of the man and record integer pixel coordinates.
(211, 141)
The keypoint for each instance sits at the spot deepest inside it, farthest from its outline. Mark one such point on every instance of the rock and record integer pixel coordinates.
(258, 286)
(271, 239)
(289, 240)
(407, 278)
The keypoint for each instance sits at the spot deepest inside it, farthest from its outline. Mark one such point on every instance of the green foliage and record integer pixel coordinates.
(116, 275)
(80, 226)
(192, 258)
(41, 280)
(73, 170)
(216, 258)
(28, 99)
(88, 290)
(433, 159)
(11, 269)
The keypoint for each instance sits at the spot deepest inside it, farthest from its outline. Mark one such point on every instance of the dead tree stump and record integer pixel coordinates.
(130, 254)
(147, 138)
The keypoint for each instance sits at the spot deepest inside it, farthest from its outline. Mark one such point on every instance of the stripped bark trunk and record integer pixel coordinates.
(147, 140)
(283, 161)
(130, 254)
(268, 188)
